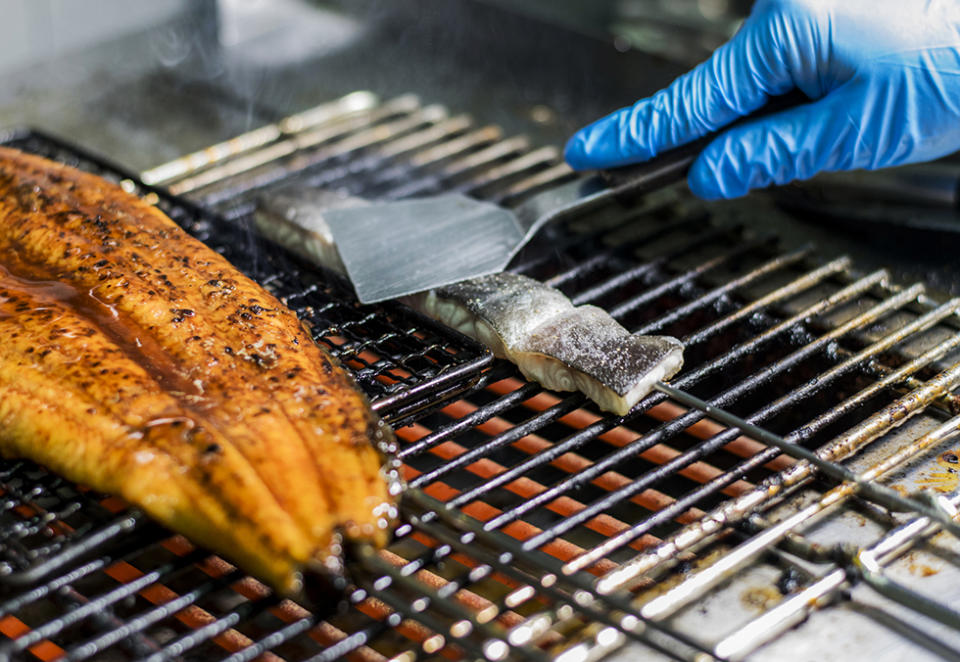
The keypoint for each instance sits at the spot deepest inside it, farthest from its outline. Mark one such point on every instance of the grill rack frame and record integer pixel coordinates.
(613, 600)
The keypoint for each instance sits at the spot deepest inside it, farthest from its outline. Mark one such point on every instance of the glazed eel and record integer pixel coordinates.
(138, 362)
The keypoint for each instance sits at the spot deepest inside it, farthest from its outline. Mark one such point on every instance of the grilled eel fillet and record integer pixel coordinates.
(137, 361)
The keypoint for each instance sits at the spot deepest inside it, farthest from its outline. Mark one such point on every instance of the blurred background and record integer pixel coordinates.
(142, 83)
(189, 70)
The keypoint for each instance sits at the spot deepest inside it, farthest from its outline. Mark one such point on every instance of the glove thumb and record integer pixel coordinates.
(790, 145)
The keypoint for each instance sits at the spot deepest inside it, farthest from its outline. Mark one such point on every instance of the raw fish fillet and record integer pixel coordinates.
(294, 219)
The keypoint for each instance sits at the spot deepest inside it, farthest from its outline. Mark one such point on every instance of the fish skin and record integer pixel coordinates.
(561, 346)
(511, 305)
(613, 367)
(298, 452)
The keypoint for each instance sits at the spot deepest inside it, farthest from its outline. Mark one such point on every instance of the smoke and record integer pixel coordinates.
(277, 33)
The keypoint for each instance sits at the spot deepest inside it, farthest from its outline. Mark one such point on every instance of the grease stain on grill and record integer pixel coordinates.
(944, 475)
(760, 598)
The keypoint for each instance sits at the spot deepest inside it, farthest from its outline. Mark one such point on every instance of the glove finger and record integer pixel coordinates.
(793, 144)
(737, 79)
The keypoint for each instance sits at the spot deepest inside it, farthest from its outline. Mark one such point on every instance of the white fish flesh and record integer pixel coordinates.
(561, 346)
(294, 219)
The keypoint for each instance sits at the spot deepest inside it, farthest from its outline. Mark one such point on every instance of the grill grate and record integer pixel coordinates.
(535, 526)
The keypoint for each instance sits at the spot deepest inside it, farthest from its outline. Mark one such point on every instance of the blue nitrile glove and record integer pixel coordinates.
(884, 74)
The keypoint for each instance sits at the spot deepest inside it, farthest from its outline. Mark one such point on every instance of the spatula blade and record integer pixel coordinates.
(397, 248)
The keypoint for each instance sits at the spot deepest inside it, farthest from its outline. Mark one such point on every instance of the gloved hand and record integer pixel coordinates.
(884, 76)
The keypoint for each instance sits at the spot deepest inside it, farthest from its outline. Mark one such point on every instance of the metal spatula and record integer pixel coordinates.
(397, 248)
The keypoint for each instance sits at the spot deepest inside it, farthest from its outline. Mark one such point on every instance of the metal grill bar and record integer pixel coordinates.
(642, 444)
(230, 149)
(685, 278)
(420, 141)
(802, 284)
(786, 613)
(126, 525)
(334, 132)
(92, 647)
(804, 391)
(219, 626)
(519, 165)
(277, 638)
(608, 253)
(614, 283)
(525, 488)
(697, 584)
(432, 597)
(570, 462)
(496, 567)
(39, 634)
(477, 417)
(453, 147)
(388, 155)
(458, 168)
(777, 264)
(837, 449)
(697, 413)
(525, 187)
(582, 595)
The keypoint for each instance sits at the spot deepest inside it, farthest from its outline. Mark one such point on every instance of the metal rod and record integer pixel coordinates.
(793, 609)
(339, 139)
(389, 163)
(904, 407)
(512, 168)
(550, 584)
(672, 427)
(602, 258)
(491, 634)
(555, 174)
(52, 627)
(99, 643)
(477, 417)
(688, 276)
(226, 622)
(774, 265)
(759, 459)
(621, 278)
(668, 603)
(795, 287)
(348, 105)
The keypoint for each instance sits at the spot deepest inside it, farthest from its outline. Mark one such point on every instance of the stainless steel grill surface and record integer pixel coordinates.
(791, 495)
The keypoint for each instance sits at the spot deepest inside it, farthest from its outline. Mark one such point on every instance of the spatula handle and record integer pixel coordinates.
(672, 166)
(582, 195)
